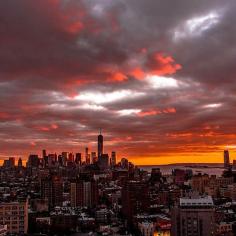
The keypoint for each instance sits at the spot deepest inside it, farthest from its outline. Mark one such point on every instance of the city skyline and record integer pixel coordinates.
(89, 156)
(157, 77)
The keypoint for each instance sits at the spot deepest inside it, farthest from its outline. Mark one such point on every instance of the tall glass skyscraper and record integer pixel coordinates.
(100, 145)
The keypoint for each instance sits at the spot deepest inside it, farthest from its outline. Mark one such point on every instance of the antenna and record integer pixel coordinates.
(100, 131)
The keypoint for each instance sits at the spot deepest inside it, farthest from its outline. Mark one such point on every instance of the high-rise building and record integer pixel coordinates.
(226, 159)
(93, 157)
(52, 190)
(193, 216)
(103, 162)
(44, 153)
(113, 159)
(45, 161)
(84, 193)
(124, 163)
(87, 156)
(33, 161)
(19, 162)
(10, 163)
(44, 158)
(134, 199)
(100, 145)
(234, 164)
(64, 158)
(70, 161)
(15, 216)
(71, 157)
(52, 159)
(59, 160)
(78, 158)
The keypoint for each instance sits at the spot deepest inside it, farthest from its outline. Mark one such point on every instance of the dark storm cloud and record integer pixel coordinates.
(157, 72)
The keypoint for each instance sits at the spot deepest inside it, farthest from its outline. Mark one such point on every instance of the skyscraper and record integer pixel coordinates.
(93, 157)
(33, 161)
(64, 158)
(44, 153)
(20, 162)
(12, 161)
(100, 145)
(226, 159)
(113, 159)
(78, 158)
(87, 156)
(103, 162)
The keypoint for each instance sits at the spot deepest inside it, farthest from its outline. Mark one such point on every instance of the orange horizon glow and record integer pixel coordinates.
(210, 157)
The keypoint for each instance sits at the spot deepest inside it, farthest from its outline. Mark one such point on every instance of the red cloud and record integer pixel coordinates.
(169, 110)
(75, 27)
(118, 76)
(4, 115)
(54, 126)
(159, 64)
(47, 128)
(138, 73)
(156, 112)
(149, 113)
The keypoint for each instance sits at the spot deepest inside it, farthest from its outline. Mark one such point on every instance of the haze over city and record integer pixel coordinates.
(156, 76)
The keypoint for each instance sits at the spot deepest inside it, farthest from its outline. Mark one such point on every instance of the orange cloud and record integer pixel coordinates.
(119, 77)
(156, 112)
(138, 73)
(158, 64)
(179, 135)
(169, 110)
(163, 65)
(149, 113)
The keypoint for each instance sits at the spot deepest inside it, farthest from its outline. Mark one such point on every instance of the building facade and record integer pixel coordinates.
(52, 190)
(193, 217)
(83, 193)
(15, 216)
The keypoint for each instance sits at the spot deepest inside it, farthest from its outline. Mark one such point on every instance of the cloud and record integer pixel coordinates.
(127, 112)
(196, 26)
(160, 64)
(101, 98)
(68, 68)
(160, 82)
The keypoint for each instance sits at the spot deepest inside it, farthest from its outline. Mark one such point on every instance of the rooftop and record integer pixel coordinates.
(197, 201)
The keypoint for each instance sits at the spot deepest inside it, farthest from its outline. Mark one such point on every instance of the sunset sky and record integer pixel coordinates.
(157, 76)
